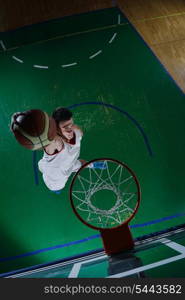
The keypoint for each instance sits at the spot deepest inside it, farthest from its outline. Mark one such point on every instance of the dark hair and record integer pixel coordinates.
(61, 114)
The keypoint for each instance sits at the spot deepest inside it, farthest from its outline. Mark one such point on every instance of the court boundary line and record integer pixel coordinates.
(115, 108)
(125, 113)
(75, 270)
(139, 243)
(168, 243)
(175, 246)
(76, 267)
(148, 267)
(73, 243)
(62, 264)
(127, 22)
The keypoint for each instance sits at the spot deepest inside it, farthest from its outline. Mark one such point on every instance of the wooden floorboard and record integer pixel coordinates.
(161, 23)
(141, 9)
(172, 55)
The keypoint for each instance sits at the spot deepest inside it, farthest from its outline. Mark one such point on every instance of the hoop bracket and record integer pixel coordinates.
(116, 240)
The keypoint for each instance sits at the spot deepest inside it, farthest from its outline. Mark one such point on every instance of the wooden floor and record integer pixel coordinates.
(20, 13)
(162, 25)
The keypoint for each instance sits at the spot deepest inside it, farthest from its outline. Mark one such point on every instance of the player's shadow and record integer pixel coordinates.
(13, 253)
(123, 262)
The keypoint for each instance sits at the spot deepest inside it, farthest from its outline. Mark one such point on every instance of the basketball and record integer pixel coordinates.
(33, 129)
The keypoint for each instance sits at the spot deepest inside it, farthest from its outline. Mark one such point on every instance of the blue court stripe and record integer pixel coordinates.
(158, 220)
(77, 256)
(146, 140)
(88, 238)
(50, 248)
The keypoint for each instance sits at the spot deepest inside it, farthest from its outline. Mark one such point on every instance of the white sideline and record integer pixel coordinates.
(167, 242)
(76, 268)
(173, 245)
(148, 267)
(2, 45)
(17, 59)
(42, 269)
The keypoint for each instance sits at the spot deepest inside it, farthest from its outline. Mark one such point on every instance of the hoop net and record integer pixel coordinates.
(107, 196)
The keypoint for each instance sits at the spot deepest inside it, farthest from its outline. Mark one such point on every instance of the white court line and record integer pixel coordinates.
(113, 37)
(2, 45)
(36, 271)
(48, 268)
(95, 54)
(148, 267)
(173, 245)
(69, 65)
(75, 271)
(167, 242)
(17, 59)
(40, 67)
(76, 268)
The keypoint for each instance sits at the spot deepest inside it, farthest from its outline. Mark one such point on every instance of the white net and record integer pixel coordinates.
(105, 197)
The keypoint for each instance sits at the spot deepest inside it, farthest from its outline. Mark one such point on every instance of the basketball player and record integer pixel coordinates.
(58, 137)
(61, 156)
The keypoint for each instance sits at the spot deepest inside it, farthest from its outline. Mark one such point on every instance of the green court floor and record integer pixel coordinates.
(163, 256)
(129, 109)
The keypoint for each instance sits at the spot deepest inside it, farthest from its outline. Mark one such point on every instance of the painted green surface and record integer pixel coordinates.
(127, 75)
(173, 270)
(106, 268)
(58, 28)
(102, 267)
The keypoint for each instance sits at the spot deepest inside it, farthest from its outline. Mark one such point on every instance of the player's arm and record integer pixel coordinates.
(78, 128)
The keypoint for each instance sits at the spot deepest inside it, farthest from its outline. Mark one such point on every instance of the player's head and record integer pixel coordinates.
(61, 115)
(64, 121)
(33, 129)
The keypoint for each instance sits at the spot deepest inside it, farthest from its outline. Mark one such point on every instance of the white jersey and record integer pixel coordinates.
(57, 168)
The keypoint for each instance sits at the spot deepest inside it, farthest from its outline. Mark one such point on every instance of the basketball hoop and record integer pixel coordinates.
(106, 199)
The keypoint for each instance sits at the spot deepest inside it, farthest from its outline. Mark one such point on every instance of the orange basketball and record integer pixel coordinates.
(33, 129)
